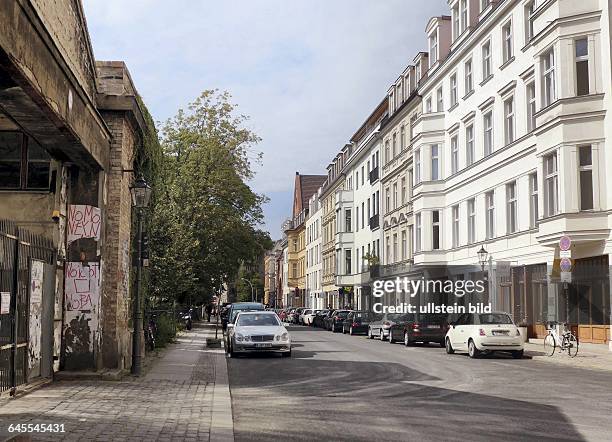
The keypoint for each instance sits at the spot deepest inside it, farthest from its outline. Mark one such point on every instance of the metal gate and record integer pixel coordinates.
(18, 247)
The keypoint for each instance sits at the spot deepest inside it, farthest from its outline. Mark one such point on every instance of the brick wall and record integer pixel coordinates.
(116, 336)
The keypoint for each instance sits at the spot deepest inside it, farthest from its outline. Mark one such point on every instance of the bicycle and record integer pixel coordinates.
(567, 341)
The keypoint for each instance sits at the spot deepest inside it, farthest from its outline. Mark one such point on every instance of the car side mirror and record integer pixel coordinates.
(229, 325)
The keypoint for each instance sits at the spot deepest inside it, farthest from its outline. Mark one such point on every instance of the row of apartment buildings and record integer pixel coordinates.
(70, 126)
(494, 138)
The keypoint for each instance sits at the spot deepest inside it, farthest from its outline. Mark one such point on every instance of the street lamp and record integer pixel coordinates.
(483, 256)
(141, 196)
(249, 282)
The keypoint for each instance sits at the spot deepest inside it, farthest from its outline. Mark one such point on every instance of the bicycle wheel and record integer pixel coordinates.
(571, 342)
(549, 345)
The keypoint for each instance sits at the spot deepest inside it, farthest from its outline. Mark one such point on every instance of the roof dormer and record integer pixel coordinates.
(409, 81)
(485, 7)
(421, 65)
(391, 100)
(439, 39)
(464, 15)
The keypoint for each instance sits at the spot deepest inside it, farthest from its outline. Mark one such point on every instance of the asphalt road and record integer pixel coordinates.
(339, 387)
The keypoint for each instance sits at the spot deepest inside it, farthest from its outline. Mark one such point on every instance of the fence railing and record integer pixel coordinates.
(17, 248)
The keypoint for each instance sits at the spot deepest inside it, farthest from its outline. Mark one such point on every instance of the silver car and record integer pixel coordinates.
(260, 331)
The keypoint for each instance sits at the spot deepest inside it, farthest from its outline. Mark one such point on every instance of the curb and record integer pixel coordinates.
(222, 422)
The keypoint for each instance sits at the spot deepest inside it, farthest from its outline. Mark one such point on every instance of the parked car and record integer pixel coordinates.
(318, 320)
(290, 313)
(258, 331)
(422, 328)
(309, 319)
(296, 315)
(334, 322)
(380, 328)
(237, 307)
(306, 311)
(358, 322)
(479, 333)
(282, 315)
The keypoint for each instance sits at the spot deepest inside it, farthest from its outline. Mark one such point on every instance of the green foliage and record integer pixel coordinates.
(165, 331)
(204, 216)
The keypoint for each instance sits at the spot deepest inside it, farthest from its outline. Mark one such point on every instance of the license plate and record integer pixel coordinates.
(433, 326)
(500, 332)
(263, 345)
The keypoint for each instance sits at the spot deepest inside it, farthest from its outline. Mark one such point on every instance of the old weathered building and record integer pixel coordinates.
(69, 127)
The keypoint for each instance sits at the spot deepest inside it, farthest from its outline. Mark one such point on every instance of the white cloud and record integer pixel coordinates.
(308, 72)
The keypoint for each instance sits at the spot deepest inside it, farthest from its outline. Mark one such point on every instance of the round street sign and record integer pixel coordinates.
(565, 264)
(565, 243)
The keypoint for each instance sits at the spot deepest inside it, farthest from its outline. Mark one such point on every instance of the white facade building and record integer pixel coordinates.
(358, 233)
(314, 262)
(509, 153)
(495, 138)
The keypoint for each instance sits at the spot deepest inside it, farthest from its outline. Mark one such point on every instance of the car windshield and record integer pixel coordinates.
(257, 320)
(238, 310)
(495, 318)
(398, 317)
(343, 314)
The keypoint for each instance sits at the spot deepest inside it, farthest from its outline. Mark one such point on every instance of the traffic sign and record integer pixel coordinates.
(565, 243)
(566, 265)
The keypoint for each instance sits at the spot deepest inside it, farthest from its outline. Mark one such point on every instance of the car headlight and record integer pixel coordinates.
(284, 337)
(239, 337)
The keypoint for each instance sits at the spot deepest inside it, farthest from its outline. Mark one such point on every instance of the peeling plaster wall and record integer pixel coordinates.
(64, 21)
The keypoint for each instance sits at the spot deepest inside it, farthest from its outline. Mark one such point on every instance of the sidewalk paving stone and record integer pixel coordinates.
(177, 399)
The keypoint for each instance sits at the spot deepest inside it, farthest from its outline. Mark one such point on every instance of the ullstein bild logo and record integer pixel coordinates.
(412, 287)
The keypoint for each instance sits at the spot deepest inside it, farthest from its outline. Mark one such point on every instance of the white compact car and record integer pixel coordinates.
(260, 331)
(303, 314)
(479, 333)
(308, 316)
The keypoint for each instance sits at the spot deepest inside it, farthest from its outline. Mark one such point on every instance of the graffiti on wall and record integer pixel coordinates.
(81, 302)
(36, 291)
(82, 286)
(83, 222)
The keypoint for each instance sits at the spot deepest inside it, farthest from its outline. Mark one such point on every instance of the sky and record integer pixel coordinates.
(306, 72)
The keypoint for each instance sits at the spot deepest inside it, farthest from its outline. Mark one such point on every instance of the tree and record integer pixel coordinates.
(205, 217)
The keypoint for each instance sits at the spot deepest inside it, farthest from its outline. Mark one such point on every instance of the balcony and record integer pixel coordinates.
(427, 123)
(391, 270)
(344, 198)
(581, 227)
(374, 175)
(375, 222)
(344, 240)
(362, 278)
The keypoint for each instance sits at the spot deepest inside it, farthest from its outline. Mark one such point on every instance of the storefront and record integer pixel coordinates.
(532, 296)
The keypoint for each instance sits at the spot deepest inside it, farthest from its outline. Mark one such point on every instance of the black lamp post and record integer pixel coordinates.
(141, 196)
(483, 256)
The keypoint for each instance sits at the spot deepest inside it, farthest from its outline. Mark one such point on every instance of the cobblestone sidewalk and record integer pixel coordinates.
(590, 356)
(184, 396)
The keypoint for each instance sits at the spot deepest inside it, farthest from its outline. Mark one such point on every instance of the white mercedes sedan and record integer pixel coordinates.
(260, 331)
